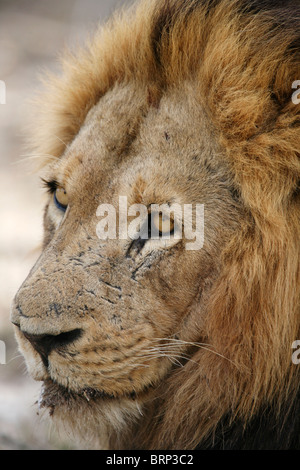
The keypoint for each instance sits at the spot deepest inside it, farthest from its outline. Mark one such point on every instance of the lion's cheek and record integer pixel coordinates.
(114, 379)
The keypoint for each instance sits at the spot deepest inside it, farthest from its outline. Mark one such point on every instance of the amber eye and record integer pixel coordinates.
(162, 223)
(61, 198)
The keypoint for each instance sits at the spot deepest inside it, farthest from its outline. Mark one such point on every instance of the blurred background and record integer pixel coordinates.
(32, 34)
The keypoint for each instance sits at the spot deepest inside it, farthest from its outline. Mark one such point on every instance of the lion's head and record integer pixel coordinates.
(142, 342)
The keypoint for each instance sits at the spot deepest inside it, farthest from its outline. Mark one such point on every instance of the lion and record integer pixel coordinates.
(141, 343)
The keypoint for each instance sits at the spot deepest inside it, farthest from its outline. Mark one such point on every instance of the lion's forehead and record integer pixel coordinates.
(125, 142)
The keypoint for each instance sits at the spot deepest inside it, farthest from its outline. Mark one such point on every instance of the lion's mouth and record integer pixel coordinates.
(54, 395)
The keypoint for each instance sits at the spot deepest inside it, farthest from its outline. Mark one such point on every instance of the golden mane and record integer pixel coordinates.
(242, 57)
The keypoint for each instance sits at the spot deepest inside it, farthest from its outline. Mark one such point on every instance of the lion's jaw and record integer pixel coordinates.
(118, 316)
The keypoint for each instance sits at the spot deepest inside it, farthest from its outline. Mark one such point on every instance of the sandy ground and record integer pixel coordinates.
(31, 35)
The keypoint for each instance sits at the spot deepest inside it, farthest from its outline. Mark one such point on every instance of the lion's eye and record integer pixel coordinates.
(162, 223)
(61, 198)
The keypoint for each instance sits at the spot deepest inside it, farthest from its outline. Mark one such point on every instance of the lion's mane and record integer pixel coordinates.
(243, 57)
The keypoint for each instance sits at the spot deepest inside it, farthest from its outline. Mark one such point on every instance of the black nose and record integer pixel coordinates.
(44, 344)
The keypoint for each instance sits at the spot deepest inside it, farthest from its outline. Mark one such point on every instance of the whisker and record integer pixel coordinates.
(14, 358)
(195, 344)
(174, 361)
(38, 155)
(139, 408)
(171, 355)
(181, 341)
(29, 157)
(61, 140)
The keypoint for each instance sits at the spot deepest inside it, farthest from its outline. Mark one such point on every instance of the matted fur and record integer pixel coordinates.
(242, 58)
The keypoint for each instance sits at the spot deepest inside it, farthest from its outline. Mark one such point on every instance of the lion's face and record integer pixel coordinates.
(108, 319)
(177, 104)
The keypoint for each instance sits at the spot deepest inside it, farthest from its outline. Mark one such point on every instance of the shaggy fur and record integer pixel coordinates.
(220, 72)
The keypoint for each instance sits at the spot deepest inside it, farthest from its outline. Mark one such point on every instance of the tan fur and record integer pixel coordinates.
(171, 102)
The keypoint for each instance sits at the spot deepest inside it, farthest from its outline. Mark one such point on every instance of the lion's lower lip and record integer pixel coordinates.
(90, 393)
(53, 394)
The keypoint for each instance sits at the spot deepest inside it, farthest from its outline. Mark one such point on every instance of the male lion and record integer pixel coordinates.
(142, 343)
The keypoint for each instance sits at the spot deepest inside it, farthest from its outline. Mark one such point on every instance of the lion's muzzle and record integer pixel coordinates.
(44, 344)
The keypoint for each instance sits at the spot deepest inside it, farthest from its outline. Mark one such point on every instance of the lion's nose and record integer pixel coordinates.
(44, 344)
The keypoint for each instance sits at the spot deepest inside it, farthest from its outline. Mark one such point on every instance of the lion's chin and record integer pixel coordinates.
(89, 416)
(54, 395)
